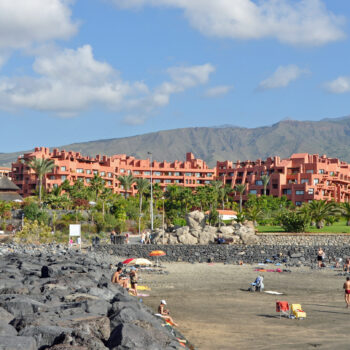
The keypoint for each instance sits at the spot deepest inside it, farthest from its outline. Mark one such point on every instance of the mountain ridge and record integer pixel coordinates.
(327, 136)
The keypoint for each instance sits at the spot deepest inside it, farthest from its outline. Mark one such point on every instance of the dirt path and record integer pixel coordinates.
(215, 312)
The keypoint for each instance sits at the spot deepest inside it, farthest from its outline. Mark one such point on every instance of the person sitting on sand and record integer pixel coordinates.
(133, 281)
(117, 278)
(165, 313)
(347, 291)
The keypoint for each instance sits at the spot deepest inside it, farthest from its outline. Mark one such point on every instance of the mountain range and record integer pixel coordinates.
(327, 136)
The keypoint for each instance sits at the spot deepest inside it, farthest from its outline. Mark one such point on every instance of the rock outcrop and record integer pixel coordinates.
(54, 298)
(197, 232)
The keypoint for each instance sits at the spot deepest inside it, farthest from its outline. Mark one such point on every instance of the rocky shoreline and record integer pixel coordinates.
(60, 299)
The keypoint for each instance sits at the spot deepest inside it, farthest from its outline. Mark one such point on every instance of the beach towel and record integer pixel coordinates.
(143, 288)
(273, 292)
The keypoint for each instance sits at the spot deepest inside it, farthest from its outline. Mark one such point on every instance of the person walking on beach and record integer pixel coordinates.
(165, 313)
(320, 257)
(347, 291)
(143, 237)
(117, 278)
(347, 265)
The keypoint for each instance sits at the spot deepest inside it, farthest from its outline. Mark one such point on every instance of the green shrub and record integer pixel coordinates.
(32, 212)
(293, 222)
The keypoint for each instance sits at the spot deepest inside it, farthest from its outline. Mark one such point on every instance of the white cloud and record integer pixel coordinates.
(340, 85)
(282, 77)
(26, 22)
(296, 22)
(72, 80)
(217, 91)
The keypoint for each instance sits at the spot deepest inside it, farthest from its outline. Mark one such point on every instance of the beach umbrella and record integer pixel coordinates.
(157, 253)
(127, 261)
(140, 261)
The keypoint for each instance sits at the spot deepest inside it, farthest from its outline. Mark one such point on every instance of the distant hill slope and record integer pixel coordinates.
(328, 136)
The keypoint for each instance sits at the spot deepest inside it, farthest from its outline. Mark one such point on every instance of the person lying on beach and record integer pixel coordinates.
(133, 281)
(347, 291)
(117, 278)
(165, 313)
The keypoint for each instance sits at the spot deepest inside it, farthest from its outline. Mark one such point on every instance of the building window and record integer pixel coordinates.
(63, 168)
(88, 171)
(95, 172)
(299, 192)
(122, 170)
(310, 191)
(177, 173)
(52, 177)
(167, 181)
(321, 171)
(230, 174)
(170, 173)
(198, 181)
(110, 175)
(88, 180)
(146, 173)
(309, 171)
(136, 172)
(304, 181)
(258, 182)
(63, 177)
(298, 204)
(103, 173)
(157, 173)
(316, 181)
(240, 174)
(331, 173)
(54, 185)
(253, 191)
(209, 174)
(188, 174)
(109, 183)
(198, 174)
(248, 173)
(157, 181)
(275, 186)
(80, 171)
(207, 182)
(177, 181)
(287, 191)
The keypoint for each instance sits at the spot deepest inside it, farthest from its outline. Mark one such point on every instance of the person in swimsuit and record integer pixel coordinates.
(347, 265)
(133, 281)
(347, 291)
(320, 257)
(165, 313)
(117, 278)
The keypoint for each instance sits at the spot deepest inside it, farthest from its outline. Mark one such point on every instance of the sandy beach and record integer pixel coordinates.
(214, 310)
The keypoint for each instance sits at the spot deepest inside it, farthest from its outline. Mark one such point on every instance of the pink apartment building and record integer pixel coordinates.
(72, 166)
(302, 177)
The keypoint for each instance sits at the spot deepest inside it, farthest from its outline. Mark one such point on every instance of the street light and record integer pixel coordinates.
(151, 209)
(163, 219)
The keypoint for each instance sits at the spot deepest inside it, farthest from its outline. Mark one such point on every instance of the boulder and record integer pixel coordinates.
(138, 335)
(188, 239)
(206, 238)
(7, 329)
(210, 229)
(17, 343)
(195, 220)
(182, 231)
(226, 230)
(173, 240)
(46, 335)
(195, 233)
(6, 316)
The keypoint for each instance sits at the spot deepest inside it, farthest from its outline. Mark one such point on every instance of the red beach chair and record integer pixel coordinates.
(283, 308)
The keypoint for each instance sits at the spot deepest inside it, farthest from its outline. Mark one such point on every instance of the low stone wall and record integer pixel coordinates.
(294, 250)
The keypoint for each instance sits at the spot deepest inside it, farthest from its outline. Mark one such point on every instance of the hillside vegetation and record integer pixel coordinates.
(329, 136)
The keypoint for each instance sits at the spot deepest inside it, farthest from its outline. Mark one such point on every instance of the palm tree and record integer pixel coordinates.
(320, 210)
(265, 180)
(97, 185)
(142, 186)
(240, 188)
(254, 213)
(126, 181)
(41, 167)
(216, 186)
(346, 212)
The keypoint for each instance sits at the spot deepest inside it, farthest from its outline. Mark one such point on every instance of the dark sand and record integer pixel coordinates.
(215, 312)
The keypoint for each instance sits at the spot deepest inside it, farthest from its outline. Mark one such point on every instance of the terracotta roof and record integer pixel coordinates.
(7, 185)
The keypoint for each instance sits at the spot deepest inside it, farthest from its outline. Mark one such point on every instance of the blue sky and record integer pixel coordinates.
(83, 70)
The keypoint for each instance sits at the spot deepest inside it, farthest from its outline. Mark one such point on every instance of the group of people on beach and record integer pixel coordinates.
(145, 237)
(123, 280)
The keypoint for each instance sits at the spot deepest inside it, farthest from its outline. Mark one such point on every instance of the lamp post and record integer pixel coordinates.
(163, 221)
(151, 209)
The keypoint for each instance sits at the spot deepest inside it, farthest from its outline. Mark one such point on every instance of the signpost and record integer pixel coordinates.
(75, 231)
